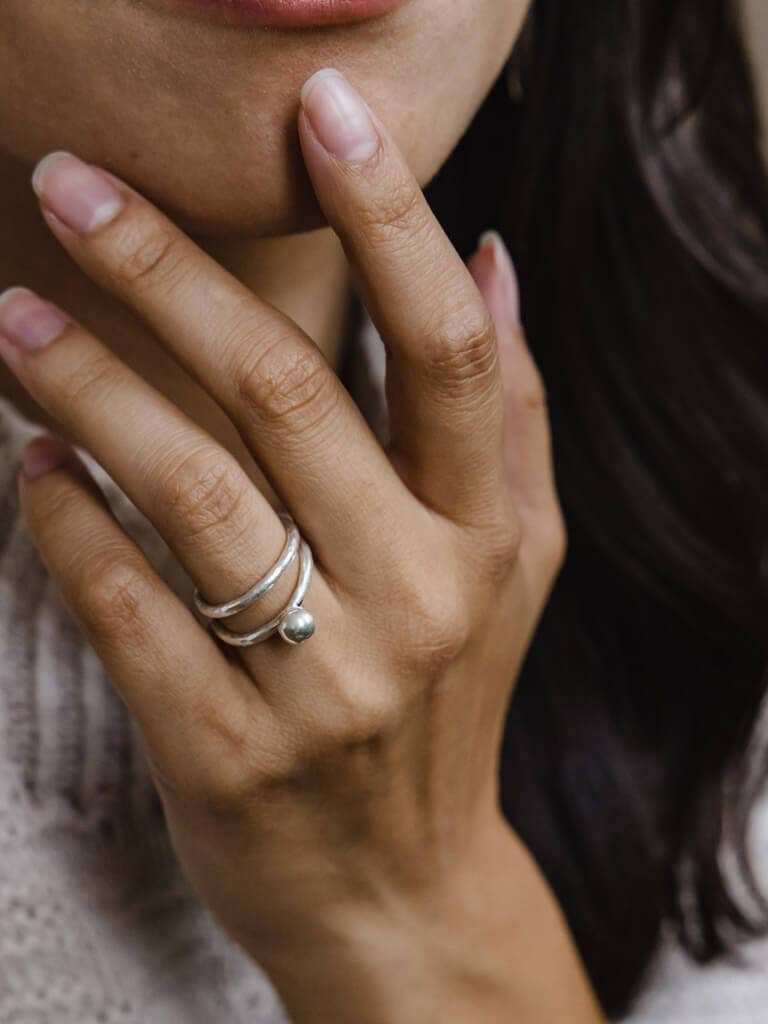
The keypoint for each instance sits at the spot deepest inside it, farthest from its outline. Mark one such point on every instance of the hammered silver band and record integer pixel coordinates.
(293, 624)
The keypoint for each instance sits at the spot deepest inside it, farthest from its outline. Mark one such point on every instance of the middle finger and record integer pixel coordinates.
(289, 406)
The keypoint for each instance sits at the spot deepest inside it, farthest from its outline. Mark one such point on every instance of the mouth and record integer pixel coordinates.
(288, 13)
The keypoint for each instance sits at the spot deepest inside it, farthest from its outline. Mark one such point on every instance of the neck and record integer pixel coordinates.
(305, 276)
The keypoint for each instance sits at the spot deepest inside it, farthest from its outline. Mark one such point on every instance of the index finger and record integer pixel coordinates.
(444, 384)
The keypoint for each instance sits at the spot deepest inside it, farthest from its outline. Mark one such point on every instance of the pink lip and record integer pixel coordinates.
(291, 13)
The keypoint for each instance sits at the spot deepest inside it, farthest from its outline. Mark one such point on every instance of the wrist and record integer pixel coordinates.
(484, 944)
(368, 970)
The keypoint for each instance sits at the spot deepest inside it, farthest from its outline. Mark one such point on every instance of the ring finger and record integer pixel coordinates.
(215, 520)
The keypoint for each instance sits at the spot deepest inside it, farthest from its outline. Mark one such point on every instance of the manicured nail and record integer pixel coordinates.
(27, 321)
(339, 117)
(80, 195)
(44, 454)
(494, 273)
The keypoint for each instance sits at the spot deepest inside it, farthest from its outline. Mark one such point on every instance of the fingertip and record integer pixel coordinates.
(339, 117)
(494, 273)
(481, 265)
(42, 167)
(77, 192)
(313, 79)
(43, 455)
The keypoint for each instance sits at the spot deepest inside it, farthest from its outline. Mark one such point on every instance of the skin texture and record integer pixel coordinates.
(340, 815)
(201, 117)
(120, 82)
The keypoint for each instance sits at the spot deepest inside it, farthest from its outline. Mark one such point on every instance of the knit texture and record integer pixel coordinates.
(97, 925)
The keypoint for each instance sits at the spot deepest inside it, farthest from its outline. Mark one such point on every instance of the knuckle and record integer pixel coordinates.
(354, 717)
(554, 542)
(235, 755)
(147, 256)
(230, 779)
(437, 643)
(92, 376)
(336, 741)
(400, 208)
(113, 596)
(531, 393)
(499, 547)
(546, 544)
(50, 515)
(294, 388)
(461, 349)
(205, 491)
(226, 791)
(438, 626)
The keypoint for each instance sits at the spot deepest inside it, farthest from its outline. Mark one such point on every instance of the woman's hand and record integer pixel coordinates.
(334, 803)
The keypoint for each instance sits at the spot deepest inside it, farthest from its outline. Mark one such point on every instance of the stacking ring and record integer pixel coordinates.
(293, 624)
(239, 604)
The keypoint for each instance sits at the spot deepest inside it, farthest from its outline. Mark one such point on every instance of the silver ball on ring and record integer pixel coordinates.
(296, 625)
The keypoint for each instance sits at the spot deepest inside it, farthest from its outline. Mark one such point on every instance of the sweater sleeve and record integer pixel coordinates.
(97, 924)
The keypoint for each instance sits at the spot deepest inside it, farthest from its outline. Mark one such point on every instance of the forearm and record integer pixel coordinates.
(494, 949)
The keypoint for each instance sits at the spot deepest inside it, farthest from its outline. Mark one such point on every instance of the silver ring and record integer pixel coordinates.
(294, 624)
(238, 604)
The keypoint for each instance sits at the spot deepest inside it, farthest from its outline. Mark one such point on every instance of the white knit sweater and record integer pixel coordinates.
(97, 925)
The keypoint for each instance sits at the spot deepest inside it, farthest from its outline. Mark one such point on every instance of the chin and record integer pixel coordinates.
(249, 192)
(200, 116)
(250, 180)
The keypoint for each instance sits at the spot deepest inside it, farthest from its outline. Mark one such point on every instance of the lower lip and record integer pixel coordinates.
(292, 13)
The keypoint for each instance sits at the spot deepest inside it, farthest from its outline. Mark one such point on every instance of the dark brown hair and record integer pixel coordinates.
(623, 169)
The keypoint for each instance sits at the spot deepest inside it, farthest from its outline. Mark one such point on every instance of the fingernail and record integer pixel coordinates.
(42, 455)
(339, 117)
(501, 274)
(80, 195)
(27, 321)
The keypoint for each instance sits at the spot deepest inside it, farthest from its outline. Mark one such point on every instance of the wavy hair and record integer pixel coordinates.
(623, 169)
